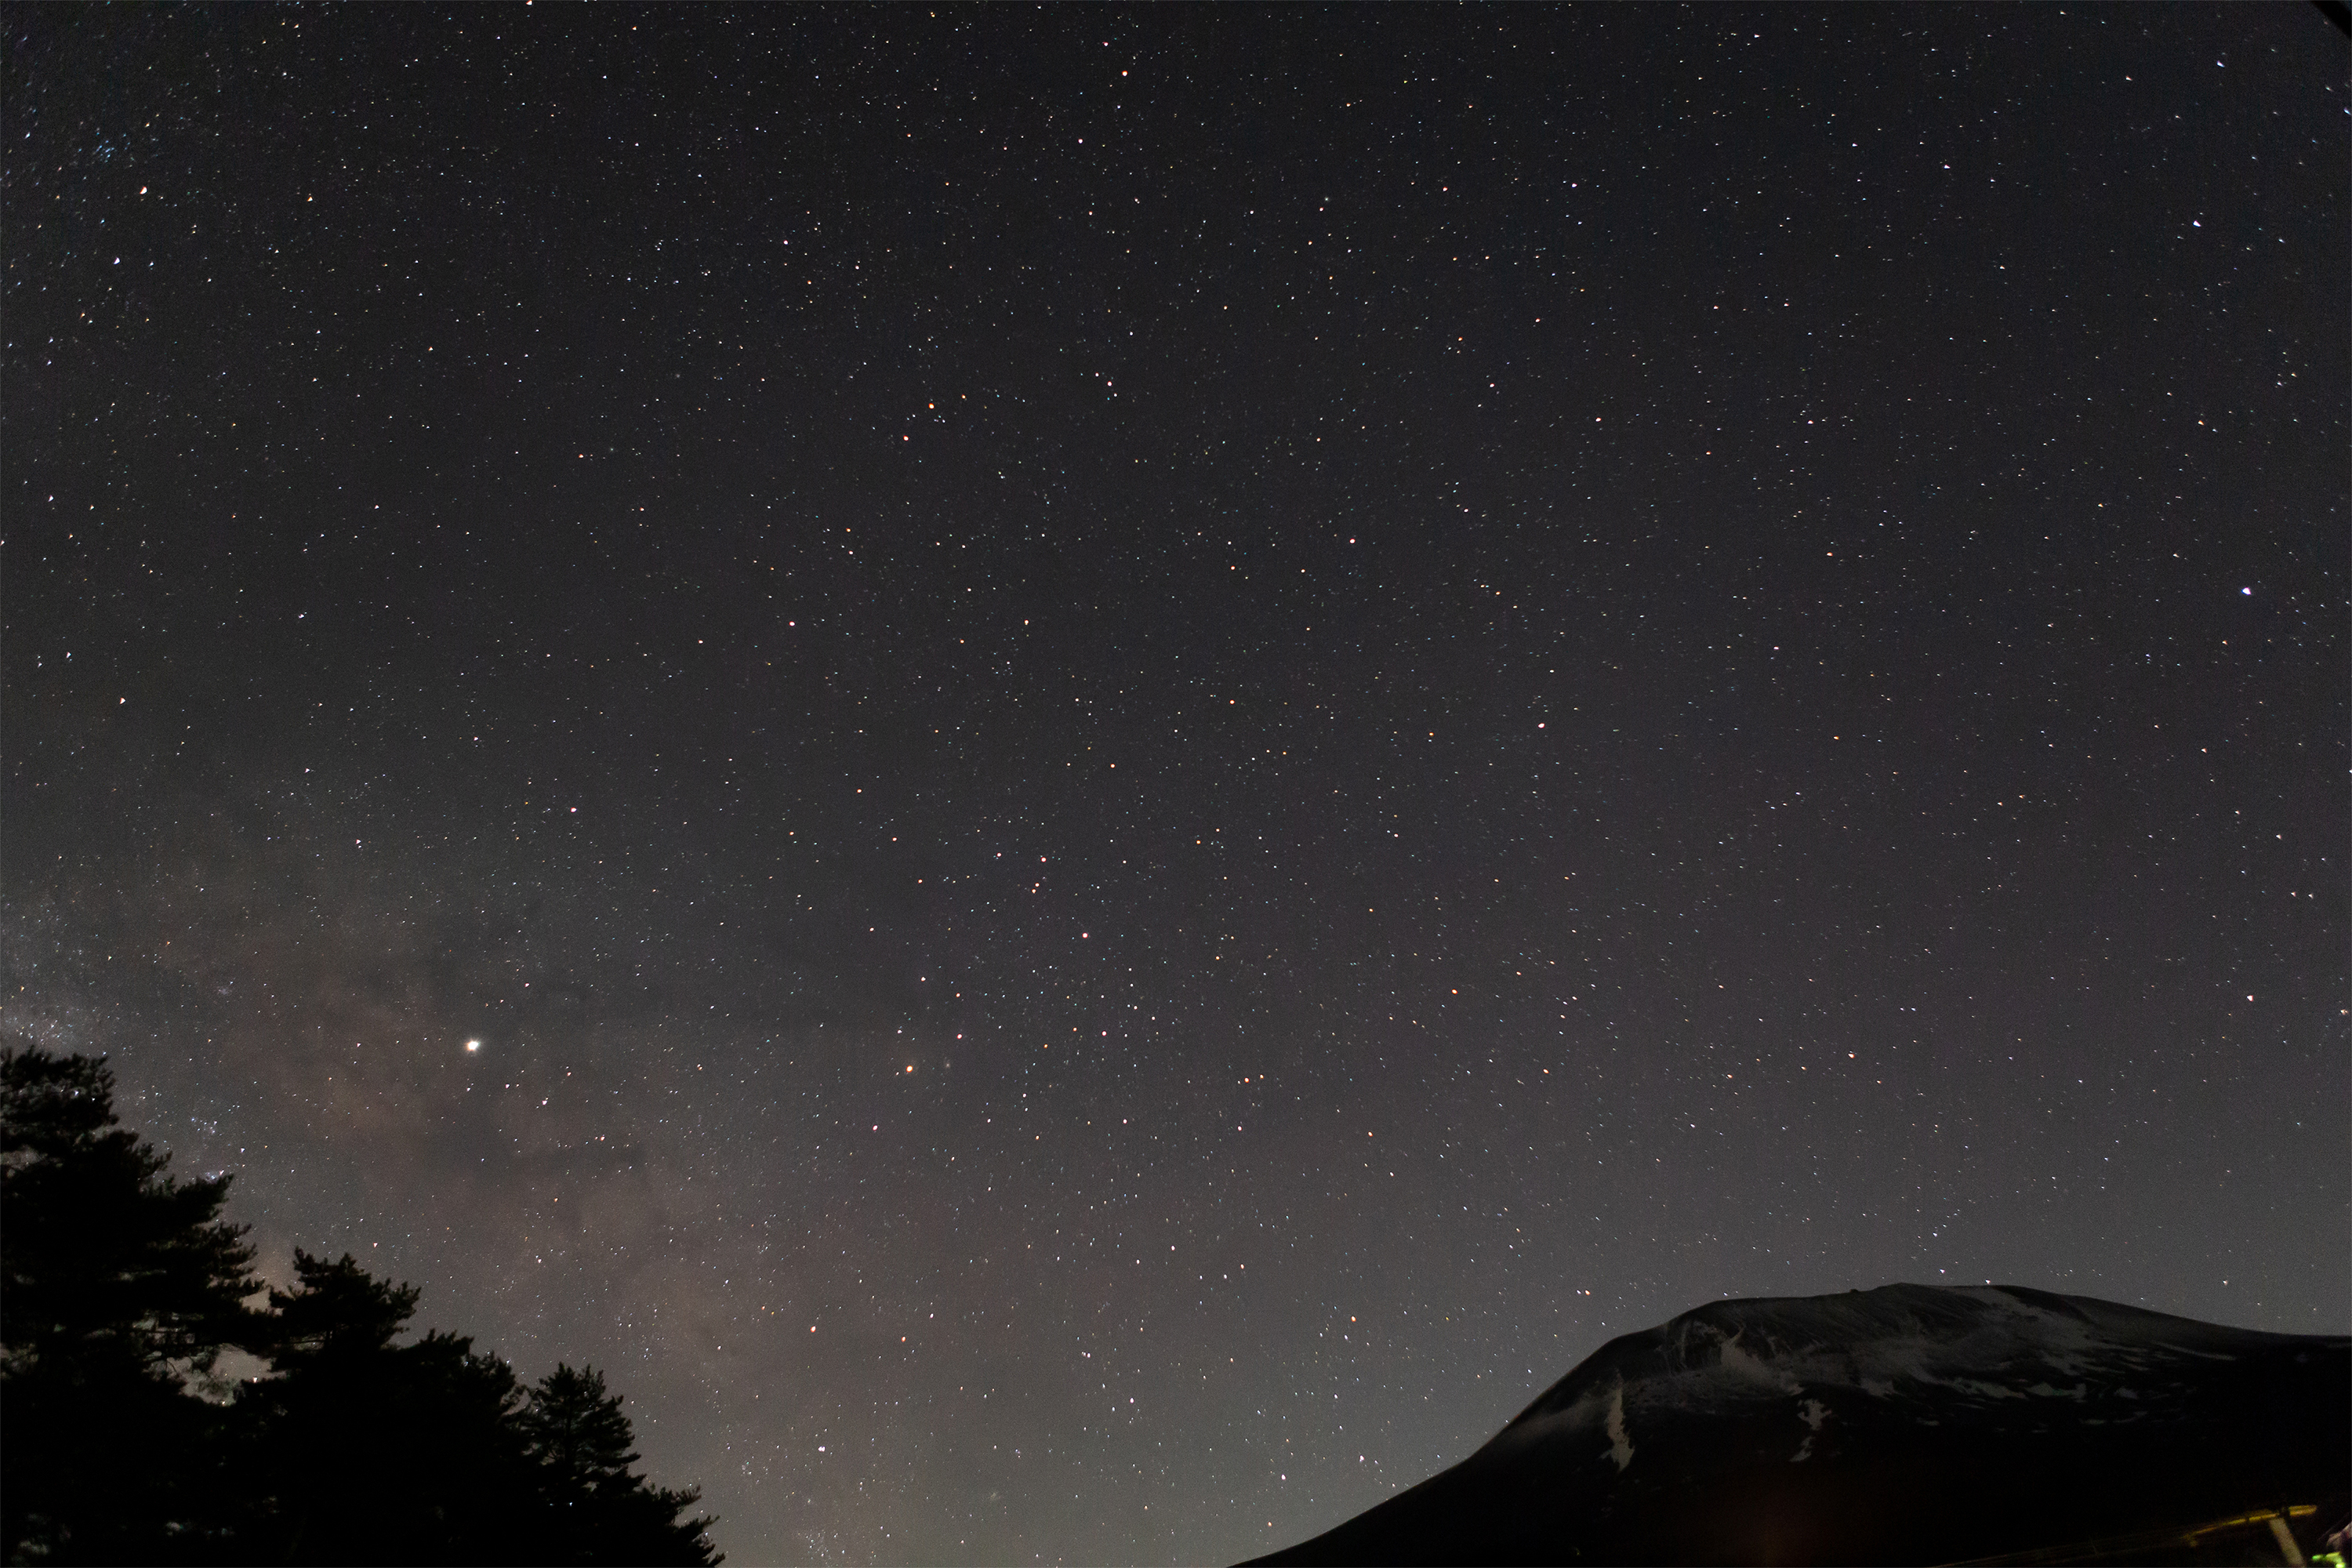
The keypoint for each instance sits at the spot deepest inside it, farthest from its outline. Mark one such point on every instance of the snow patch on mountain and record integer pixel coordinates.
(1620, 1446)
(1892, 1347)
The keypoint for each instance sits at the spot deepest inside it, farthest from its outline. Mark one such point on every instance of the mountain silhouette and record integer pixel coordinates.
(1910, 1423)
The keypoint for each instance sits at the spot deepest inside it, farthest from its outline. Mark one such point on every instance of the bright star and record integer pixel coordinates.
(473, 1044)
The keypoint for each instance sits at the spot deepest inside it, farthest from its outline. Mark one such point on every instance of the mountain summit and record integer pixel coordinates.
(1910, 1423)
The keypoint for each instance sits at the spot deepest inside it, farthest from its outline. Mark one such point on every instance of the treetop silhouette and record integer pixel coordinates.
(107, 1259)
(120, 1287)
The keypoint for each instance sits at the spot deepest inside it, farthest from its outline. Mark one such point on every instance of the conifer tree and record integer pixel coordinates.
(120, 1290)
(577, 1430)
(371, 1451)
(597, 1510)
(118, 1284)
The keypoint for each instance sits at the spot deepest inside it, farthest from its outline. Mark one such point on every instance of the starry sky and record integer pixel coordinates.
(1159, 749)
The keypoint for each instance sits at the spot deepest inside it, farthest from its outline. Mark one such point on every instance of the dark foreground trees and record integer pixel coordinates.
(121, 1289)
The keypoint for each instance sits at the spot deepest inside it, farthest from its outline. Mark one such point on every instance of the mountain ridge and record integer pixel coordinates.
(1909, 1423)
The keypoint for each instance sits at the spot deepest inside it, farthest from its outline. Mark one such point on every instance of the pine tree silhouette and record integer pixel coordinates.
(577, 1430)
(120, 1290)
(596, 1511)
(119, 1286)
(370, 1451)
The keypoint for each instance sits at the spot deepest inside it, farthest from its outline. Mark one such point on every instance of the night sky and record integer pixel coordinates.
(1157, 750)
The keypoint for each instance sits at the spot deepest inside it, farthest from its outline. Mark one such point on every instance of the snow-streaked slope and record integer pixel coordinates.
(1909, 1424)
